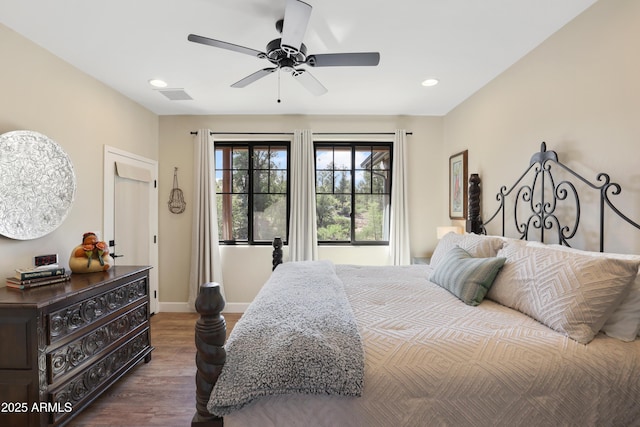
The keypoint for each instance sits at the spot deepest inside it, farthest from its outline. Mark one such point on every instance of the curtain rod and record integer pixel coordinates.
(291, 133)
(246, 133)
(358, 133)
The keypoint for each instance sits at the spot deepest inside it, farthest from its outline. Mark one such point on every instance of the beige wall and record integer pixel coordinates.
(42, 93)
(246, 268)
(580, 92)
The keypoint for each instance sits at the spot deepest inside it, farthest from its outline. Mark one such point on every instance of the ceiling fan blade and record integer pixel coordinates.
(296, 19)
(224, 45)
(309, 82)
(358, 59)
(253, 77)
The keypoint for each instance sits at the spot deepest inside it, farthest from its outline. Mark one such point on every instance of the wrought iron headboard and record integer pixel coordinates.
(542, 197)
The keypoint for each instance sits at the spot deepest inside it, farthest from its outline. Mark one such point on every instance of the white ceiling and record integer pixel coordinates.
(124, 43)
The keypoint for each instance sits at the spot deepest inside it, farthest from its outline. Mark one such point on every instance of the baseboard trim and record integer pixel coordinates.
(174, 307)
(235, 307)
(183, 307)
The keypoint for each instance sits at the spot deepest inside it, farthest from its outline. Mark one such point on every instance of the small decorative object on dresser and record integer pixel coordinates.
(458, 185)
(64, 344)
(91, 256)
(26, 278)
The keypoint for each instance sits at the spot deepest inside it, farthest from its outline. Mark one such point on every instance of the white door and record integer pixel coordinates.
(131, 213)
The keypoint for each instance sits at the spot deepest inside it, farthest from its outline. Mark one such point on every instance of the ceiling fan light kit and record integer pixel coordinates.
(288, 53)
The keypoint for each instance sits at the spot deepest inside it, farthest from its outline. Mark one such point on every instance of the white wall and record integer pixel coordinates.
(42, 93)
(580, 92)
(246, 268)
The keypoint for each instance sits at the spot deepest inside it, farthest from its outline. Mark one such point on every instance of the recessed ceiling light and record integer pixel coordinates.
(157, 83)
(430, 82)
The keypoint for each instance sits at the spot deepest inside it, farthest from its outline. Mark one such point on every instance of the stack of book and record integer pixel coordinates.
(26, 278)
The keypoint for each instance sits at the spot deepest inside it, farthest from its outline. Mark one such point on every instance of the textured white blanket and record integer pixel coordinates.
(431, 360)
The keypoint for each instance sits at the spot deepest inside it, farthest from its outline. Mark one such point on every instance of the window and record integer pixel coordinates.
(252, 191)
(353, 189)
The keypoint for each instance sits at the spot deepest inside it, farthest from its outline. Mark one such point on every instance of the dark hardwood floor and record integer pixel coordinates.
(158, 393)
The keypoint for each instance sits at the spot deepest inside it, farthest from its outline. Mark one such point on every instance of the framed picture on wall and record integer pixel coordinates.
(458, 185)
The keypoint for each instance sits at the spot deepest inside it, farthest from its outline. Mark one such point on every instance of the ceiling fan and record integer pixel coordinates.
(288, 53)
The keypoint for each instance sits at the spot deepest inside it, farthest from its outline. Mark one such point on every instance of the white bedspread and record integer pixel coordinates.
(431, 360)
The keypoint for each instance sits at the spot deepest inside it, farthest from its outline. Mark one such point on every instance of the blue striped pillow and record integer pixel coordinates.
(466, 277)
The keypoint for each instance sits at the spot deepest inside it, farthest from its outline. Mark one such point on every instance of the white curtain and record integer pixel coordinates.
(303, 239)
(205, 251)
(399, 248)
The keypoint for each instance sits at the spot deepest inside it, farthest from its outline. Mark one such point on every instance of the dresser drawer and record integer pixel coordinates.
(99, 374)
(67, 358)
(85, 313)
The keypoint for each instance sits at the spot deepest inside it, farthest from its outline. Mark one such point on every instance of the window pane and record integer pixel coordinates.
(371, 217)
(223, 157)
(224, 208)
(382, 158)
(379, 182)
(240, 158)
(232, 212)
(269, 216)
(278, 157)
(278, 181)
(324, 181)
(218, 181)
(363, 157)
(261, 158)
(261, 181)
(363, 182)
(240, 181)
(334, 221)
(342, 158)
(240, 224)
(324, 158)
(342, 182)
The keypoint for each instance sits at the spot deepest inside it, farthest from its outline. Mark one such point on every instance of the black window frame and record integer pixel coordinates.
(353, 145)
(251, 145)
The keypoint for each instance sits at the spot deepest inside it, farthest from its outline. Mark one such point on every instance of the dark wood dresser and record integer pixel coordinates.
(62, 345)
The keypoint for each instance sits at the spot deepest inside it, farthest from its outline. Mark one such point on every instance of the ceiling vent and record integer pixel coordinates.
(176, 94)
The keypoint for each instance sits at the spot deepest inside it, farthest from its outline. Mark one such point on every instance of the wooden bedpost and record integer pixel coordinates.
(474, 222)
(277, 253)
(211, 332)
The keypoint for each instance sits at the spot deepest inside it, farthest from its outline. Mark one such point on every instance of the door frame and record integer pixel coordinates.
(111, 155)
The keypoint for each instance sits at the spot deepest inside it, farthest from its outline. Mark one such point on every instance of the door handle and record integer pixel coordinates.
(112, 244)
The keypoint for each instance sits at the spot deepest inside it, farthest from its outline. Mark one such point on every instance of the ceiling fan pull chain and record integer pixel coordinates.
(279, 86)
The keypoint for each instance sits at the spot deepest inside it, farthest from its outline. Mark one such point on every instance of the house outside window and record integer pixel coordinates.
(252, 191)
(353, 192)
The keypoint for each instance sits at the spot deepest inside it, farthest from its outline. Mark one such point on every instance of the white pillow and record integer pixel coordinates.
(624, 323)
(478, 246)
(571, 293)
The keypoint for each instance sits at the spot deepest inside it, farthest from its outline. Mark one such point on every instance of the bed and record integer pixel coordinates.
(494, 331)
